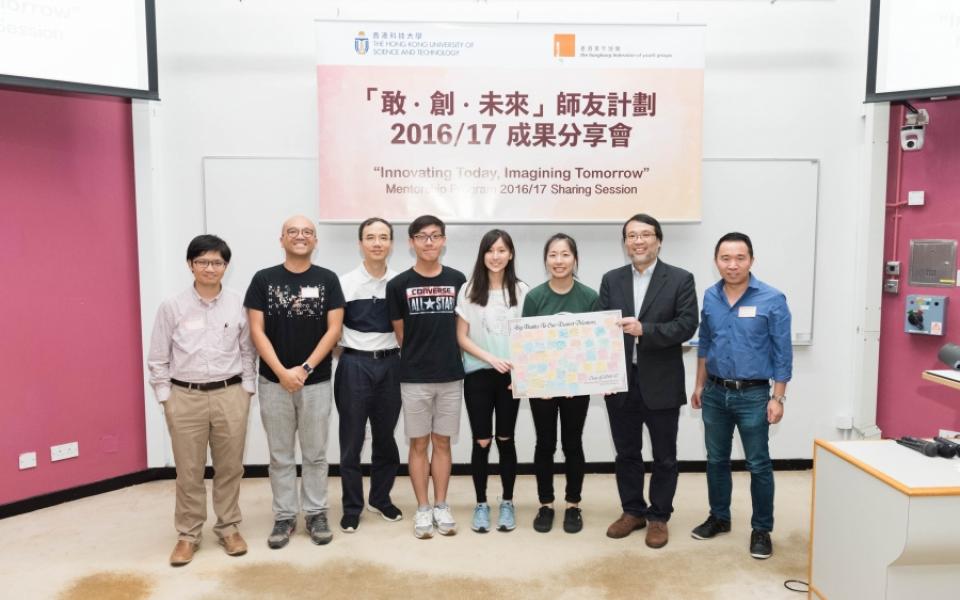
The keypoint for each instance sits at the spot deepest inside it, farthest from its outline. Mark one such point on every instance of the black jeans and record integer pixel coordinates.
(486, 392)
(573, 414)
(367, 388)
(628, 414)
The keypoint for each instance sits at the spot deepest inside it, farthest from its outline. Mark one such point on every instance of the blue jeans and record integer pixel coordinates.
(724, 409)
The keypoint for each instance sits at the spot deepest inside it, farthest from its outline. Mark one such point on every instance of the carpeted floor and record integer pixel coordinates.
(116, 546)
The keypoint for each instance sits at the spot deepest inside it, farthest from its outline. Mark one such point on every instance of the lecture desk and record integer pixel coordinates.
(947, 377)
(884, 523)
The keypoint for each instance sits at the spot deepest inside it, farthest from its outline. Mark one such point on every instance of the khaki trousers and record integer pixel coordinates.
(196, 419)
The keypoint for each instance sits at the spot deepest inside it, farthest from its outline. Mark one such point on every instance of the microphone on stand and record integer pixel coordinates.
(925, 448)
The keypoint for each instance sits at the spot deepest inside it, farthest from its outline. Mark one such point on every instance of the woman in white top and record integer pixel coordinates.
(485, 304)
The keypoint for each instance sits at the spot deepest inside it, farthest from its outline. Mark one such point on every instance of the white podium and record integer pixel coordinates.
(885, 523)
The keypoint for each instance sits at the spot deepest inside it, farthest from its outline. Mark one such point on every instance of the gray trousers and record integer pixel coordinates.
(284, 415)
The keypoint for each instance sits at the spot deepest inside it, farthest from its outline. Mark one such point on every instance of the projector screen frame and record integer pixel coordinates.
(86, 88)
(872, 48)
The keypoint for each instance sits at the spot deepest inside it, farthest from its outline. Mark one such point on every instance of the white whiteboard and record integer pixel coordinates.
(774, 201)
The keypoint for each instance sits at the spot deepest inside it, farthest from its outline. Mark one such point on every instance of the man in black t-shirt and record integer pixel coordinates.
(296, 314)
(422, 301)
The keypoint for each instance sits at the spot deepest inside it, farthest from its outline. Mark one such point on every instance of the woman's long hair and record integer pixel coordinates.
(480, 280)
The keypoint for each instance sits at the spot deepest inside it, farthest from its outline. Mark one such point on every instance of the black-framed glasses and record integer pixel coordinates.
(202, 263)
(645, 236)
(422, 238)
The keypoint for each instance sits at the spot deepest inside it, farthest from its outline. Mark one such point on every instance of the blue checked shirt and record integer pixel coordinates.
(749, 340)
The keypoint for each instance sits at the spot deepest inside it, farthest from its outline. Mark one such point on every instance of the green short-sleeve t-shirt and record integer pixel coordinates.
(543, 301)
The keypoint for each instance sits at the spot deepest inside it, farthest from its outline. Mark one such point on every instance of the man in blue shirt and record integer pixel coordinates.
(744, 344)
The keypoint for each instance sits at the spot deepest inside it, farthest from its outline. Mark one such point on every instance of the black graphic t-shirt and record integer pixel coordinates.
(430, 352)
(295, 307)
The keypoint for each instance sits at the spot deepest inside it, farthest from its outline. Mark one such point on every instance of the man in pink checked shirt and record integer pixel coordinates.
(202, 369)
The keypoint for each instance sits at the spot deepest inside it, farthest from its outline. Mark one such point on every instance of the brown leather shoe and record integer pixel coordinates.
(625, 525)
(183, 553)
(657, 534)
(234, 544)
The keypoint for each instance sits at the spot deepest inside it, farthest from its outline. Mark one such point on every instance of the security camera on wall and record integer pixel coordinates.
(911, 137)
(912, 133)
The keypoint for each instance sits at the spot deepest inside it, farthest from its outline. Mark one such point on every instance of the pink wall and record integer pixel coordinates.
(908, 405)
(70, 350)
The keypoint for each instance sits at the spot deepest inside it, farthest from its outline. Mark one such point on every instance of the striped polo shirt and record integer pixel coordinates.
(366, 322)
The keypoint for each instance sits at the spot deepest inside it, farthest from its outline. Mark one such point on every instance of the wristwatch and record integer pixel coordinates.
(306, 367)
(780, 399)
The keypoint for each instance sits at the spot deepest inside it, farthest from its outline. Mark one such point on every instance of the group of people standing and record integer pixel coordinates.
(427, 341)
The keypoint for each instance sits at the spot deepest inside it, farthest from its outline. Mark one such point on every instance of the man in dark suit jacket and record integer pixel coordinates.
(653, 332)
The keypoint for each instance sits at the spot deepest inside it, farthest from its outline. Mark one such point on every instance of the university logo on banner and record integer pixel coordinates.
(361, 44)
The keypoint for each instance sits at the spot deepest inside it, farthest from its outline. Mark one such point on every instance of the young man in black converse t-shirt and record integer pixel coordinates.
(422, 301)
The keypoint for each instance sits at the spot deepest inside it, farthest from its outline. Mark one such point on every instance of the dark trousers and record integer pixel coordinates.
(367, 388)
(628, 414)
(486, 392)
(573, 415)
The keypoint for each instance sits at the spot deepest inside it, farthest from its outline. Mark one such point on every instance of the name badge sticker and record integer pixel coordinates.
(310, 292)
(194, 324)
(747, 312)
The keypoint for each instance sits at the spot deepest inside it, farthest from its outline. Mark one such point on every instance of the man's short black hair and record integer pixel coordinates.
(207, 243)
(734, 236)
(370, 222)
(642, 218)
(426, 221)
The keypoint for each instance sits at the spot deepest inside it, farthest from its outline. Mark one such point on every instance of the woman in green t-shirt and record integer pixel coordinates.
(562, 293)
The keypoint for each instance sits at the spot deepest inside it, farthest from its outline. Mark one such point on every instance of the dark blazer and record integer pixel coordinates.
(669, 316)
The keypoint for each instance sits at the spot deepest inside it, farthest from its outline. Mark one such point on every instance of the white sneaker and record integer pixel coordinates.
(423, 524)
(443, 519)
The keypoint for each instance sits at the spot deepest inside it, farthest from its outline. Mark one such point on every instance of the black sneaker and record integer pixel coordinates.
(319, 529)
(543, 522)
(760, 544)
(572, 520)
(710, 528)
(388, 512)
(349, 523)
(281, 533)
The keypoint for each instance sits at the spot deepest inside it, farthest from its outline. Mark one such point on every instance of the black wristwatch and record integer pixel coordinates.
(306, 367)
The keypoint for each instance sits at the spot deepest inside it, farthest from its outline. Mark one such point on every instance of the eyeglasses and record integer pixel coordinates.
(422, 238)
(202, 263)
(307, 233)
(376, 238)
(645, 236)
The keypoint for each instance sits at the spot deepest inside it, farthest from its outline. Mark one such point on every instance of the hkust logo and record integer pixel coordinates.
(564, 45)
(361, 43)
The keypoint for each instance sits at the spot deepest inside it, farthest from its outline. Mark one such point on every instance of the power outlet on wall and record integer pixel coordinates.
(28, 460)
(64, 451)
